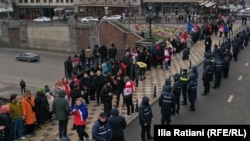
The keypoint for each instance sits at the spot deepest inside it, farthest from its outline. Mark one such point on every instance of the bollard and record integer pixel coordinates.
(136, 105)
(154, 95)
(190, 64)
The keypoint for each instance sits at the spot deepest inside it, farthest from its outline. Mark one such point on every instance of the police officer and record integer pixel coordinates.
(206, 76)
(167, 83)
(165, 102)
(227, 57)
(184, 81)
(177, 93)
(145, 118)
(236, 49)
(194, 72)
(218, 71)
(192, 92)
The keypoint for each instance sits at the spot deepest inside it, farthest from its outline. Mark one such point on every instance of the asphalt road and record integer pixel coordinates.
(46, 71)
(228, 104)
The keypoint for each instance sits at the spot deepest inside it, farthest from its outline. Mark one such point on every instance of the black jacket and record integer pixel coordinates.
(145, 112)
(118, 123)
(166, 100)
(74, 94)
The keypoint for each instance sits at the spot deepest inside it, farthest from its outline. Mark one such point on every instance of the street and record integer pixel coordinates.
(228, 104)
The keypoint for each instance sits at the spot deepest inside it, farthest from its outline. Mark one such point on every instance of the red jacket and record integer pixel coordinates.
(78, 120)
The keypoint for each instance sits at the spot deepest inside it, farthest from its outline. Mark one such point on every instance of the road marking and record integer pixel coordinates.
(230, 98)
(240, 77)
(246, 64)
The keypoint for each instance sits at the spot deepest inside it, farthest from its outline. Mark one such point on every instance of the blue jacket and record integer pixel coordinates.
(101, 131)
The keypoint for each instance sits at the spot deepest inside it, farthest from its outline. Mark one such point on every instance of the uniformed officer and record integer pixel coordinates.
(194, 72)
(227, 57)
(192, 92)
(184, 81)
(206, 76)
(218, 71)
(165, 102)
(177, 93)
(236, 48)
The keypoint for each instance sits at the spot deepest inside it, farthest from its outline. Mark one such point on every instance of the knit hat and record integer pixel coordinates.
(102, 115)
(41, 90)
(5, 109)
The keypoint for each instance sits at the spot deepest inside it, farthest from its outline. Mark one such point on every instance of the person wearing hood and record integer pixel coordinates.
(61, 109)
(167, 83)
(118, 124)
(101, 130)
(5, 123)
(207, 75)
(41, 107)
(192, 92)
(194, 72)
(166, 102)
(219, 65)
(177, 93)
(145, 118)
(80, 113)
(68, 67)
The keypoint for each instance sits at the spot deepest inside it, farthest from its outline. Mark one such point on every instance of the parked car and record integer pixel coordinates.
(42, 19)
(29, 57)
(112, 18)
(244, 12)
(89, 19)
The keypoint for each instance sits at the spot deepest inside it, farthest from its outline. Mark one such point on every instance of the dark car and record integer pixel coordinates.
(30, 57)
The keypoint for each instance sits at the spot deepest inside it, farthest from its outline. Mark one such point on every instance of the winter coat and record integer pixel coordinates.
(41, 107)
(105, 94)
(61, 107)
(88, 53)
(6, 121)
(99, 82)
(134, 71)
(15, 110)
(103, 51)
(192, 88)
(30, 115)
(165, 101)
(145, 112)
(102, 131)
(118, 123)
(189, 42)
(80, 114)
(74, 94)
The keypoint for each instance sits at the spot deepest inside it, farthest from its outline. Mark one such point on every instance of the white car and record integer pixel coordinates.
(42, 19)
(113, 18)
(89, 19)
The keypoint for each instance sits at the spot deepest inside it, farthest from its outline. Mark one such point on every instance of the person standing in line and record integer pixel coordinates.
(23, 86)
(41, 107)
(206, 76)
(192, 92)
(28, 107)
(101, 130)
(128, 94)
(17, 117)
(166, 102)
(145, 118)
(80, 113)
(61, 109)
(118, 124)
(6, 123)
(177, 93)
(184, 81)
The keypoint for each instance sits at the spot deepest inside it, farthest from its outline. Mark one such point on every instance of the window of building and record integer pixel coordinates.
(57, 1)
(114, 0)
(67, 1)
(61, 1)
(20, 1)
(71, 1)
(31, 1)
(37, 1)
(50, 1)
(45, 1)
(25, 1)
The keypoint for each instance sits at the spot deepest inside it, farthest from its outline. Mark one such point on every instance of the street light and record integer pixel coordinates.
(150, 16)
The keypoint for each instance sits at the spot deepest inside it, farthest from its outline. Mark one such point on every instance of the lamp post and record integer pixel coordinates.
(150, 16)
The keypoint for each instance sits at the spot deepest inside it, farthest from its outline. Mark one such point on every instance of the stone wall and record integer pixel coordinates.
(117, 34)
(51, 37)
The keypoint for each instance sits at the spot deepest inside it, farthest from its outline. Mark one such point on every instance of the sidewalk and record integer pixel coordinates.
(155, 77)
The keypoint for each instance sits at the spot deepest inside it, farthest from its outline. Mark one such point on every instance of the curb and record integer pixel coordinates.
(154, 100)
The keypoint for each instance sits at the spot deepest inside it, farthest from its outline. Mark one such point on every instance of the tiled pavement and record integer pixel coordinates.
(155, 78)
